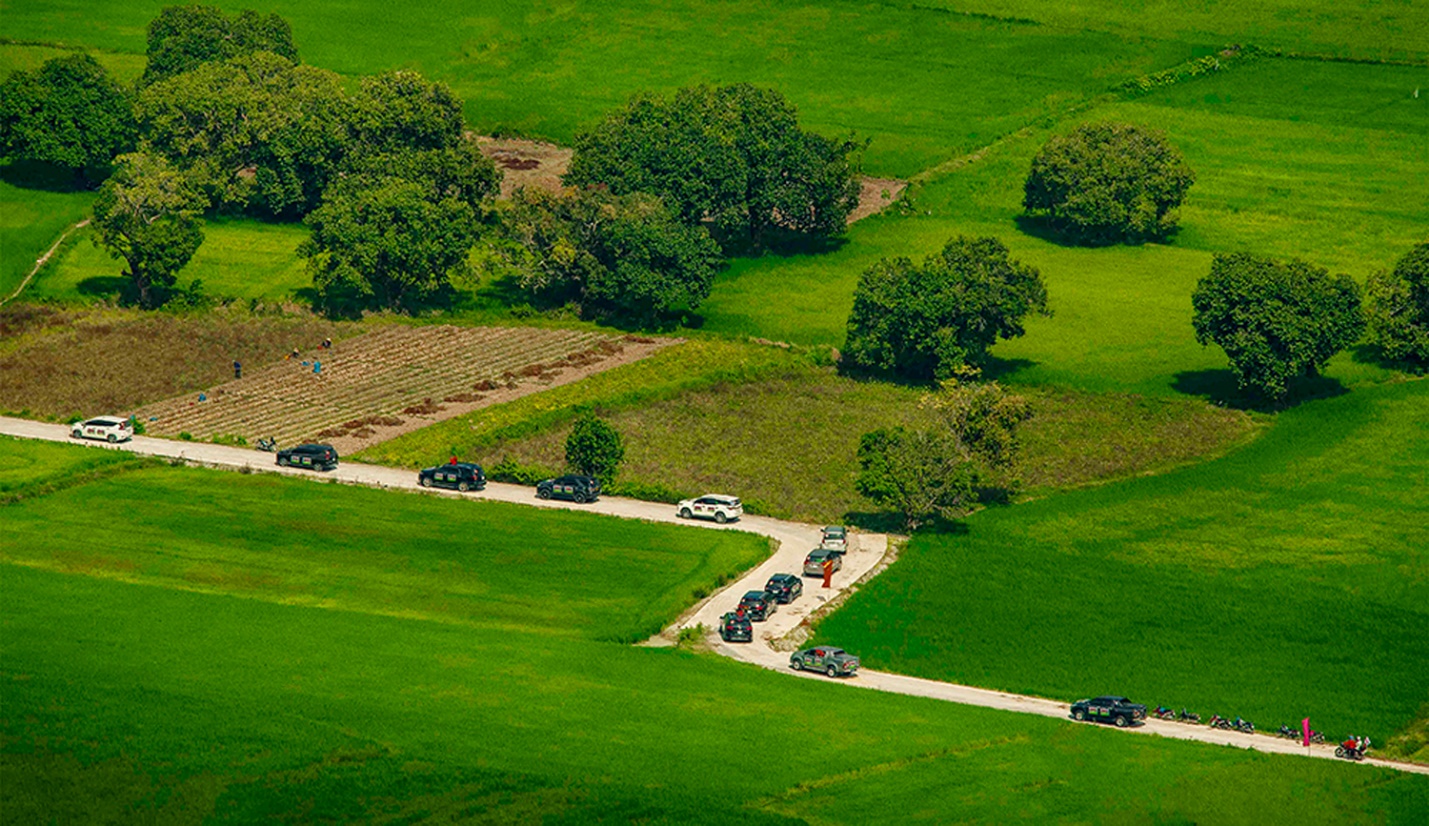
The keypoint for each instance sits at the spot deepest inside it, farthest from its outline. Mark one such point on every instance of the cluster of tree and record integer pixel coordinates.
(1276, 320)
(1105, 183)
(940, 472)
(68, 113)
(927, 322)
(1397, 309)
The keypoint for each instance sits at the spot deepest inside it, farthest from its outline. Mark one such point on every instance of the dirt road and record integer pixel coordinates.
(795, 540)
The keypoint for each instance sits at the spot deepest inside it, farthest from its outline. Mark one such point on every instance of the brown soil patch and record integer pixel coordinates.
(876, 195)
(527, 163)
(394, 380)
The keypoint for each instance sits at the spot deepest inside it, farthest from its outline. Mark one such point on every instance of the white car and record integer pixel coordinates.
(835, 538)
(714, 506)
(108, 428)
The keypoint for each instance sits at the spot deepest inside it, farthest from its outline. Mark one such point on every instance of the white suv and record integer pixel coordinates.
(711, 506)
(108, 428)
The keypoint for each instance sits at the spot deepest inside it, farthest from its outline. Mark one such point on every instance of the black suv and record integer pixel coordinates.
(758, 605)
(734, 628)
(785, 588)
(573, 487)
(318, 457)
(461, 476)
(1118, 710)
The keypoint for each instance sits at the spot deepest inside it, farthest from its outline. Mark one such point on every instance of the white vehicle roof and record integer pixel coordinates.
(722, 496)
(106, 420)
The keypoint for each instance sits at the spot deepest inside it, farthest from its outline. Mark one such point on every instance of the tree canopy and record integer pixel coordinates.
(148, 215)
(69, 113)
(1397, 309)
(924, 322)
(403, 110)
(1275, 320)
(1106, 183)
(182, 38)
(732, 155)
(624, 257)
(386, 244)
(595, 448)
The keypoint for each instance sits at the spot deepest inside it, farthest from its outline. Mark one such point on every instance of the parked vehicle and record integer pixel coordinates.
(784, 587)
(1109, 708)
(835, 662)
(1353, 748)
(714, 506)
(111, 429)
(1243, 725)
(1188, 717)
(576, 488)
(461, 476)
(814, 562)
(1217, 721)
(269, 445)
(835, 538)
(734, 628)
(759, 605)
(1290, 733)
(317, 457)
(1164, 713)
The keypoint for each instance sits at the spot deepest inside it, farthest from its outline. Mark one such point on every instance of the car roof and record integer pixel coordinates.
(783, 577)
(834, 529)
(106, 420)
(754, 595)
(1113, 698)
(313, 446)
(819, 552)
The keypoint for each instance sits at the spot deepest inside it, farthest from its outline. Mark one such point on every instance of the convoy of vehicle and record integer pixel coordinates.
(716, 506)
(575, 487)
(316, 457)
(1109, 709)
(462, 476)
(111, 429)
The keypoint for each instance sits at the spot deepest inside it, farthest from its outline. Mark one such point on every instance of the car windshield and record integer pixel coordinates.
(834, 533)
(834, 652)
(754, 596)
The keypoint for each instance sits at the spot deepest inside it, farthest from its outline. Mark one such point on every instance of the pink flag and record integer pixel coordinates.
(1305, 727)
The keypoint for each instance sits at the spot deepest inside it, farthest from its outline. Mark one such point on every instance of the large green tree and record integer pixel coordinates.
(1275, 320)
(925, 322)
(1397, 308)
(459, 171)
(595, 448)
(255, 131)
(732, 155)
(386, 244)
(403, 110)
(1108, 182)
(69, 113)
(182, 38)
(148, 215)
(621, 257)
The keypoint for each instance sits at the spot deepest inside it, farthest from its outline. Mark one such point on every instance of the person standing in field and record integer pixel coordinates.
(237, 369)
(317, 367)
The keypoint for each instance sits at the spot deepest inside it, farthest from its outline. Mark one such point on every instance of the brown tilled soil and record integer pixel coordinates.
(60, 363)
(391, 381)
(533, 163)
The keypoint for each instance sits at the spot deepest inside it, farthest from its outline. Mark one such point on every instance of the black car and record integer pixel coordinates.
(575, 488)
(460, 476)
(317, 457)
(785, 588)
(1118, 710)
(758, 605)
(734, 628)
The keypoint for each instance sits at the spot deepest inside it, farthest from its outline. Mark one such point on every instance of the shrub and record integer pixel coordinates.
(927, 322)
(1397, 309)
(595, 448)
(1108, 182)
(1275, 320)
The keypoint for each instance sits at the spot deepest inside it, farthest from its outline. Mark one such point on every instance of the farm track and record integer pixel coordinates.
(793, 538)
(375, 375)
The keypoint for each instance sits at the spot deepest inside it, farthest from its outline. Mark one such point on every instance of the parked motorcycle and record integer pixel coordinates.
(1244, 725)
(268, 445)
(1188, 716)
(1348, 752)
(1288, 732)
(1217, 721)
(1164, 713)
(1317, 736)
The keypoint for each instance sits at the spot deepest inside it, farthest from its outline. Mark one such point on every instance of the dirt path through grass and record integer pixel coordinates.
(42, 260)
(794, 541)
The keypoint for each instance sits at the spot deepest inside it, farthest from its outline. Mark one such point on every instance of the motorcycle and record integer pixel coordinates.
(1288, 732)
(1188, 716)
(268, 445)
(1217, 721)
(1348, 752)
(1317, 736)
(1164, 713)
(1244, 725)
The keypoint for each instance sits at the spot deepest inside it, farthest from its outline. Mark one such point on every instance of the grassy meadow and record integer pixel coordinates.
(1288, 579)
(239, 697)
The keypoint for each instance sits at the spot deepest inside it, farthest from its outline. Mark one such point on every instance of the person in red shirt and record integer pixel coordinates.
(828, 572)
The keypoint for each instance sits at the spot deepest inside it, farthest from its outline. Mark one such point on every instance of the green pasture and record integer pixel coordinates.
(239, 258)
(358, 549)
(924, 84)
(787, 443)
(122, 66)
(1358, 28)
(185, 674)
(1288, 579)
(31, 220)
(28, 467)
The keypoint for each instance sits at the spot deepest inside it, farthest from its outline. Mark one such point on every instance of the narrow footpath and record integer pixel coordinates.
(794, 541)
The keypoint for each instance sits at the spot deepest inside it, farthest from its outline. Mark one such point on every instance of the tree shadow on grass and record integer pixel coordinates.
(1373, 354)
(1218, 386)
(1045, 228)
(42, 176)
(892, 523)
(102, 286)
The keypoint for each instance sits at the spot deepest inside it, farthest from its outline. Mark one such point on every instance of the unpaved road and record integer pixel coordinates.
(795, 540)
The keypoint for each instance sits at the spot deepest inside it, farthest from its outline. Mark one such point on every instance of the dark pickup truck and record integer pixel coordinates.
(1118, 710)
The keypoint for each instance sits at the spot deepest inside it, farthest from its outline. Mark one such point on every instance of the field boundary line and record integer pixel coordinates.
(42, 260)
(793, 538)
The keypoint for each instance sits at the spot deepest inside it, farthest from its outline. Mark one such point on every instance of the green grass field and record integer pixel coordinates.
(31, 220)
(1288, 579)
(28, 468)
(129, 692)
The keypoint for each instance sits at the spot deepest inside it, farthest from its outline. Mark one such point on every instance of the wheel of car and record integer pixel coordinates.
(284, 461)
(424, 482)
(1079, 715)
(543, 493)
(831, 671)
(77, 434)
(1121, 721)
(798, 665)
(720, 517)
(463, 487)
(579, 498)
(684, 512)
(113, 438)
